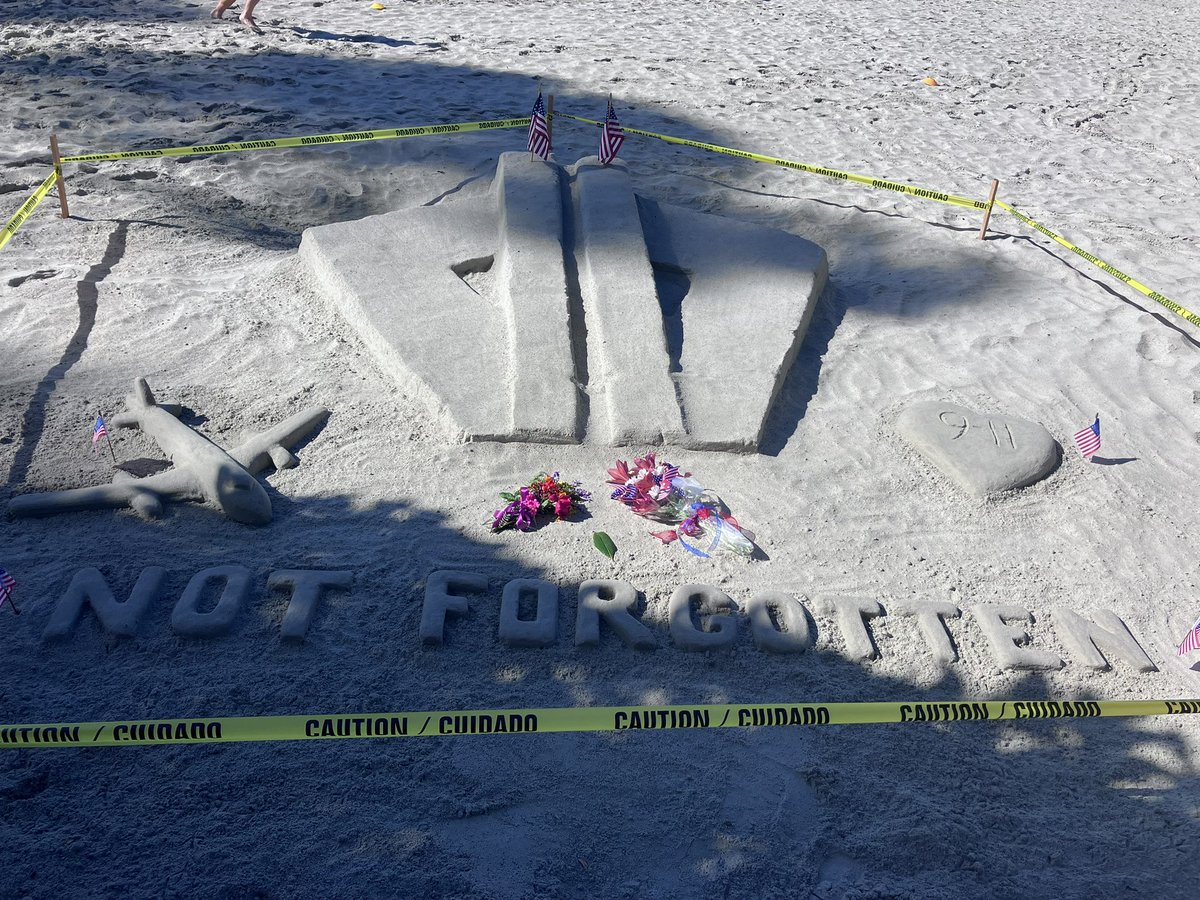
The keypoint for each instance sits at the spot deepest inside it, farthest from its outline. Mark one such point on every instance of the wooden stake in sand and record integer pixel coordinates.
(987, 213)
(62, 185)
(550, 121)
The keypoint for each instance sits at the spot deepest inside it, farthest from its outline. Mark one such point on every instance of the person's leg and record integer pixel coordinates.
(221, 7)
(247, 16)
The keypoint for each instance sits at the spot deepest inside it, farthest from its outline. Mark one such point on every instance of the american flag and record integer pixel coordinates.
(99, 432)
(539, 133)
(1192, 641)
(1088, 439)
(7, 583)
(611, 136)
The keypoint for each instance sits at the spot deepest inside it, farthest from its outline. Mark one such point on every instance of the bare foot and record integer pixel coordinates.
(220, 8)
(249, 22)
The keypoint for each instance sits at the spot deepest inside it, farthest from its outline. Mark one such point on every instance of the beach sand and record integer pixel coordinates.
(185, 271)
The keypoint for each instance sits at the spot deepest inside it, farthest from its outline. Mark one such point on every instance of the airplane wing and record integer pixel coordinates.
(273, 447)
(143, 495)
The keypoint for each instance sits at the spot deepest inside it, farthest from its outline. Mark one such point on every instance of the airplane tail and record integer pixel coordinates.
(137, 403)
(141, 398)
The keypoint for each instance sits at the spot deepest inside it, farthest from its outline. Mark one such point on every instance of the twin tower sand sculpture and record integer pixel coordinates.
(562, 307)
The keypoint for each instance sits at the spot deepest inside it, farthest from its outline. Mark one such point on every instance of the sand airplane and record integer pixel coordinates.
(202, 470)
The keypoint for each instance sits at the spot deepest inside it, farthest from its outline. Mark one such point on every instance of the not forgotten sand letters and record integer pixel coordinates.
(700, 617)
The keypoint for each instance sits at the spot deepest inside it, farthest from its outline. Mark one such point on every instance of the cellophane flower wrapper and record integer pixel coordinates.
(660, 492)
(544, 495)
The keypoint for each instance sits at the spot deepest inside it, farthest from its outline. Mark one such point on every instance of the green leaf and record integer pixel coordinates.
(509, 497)
(604, 544)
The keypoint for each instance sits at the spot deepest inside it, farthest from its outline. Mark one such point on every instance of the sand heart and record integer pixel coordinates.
(983, 454)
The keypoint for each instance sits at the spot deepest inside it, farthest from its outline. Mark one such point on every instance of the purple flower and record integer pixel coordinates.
(502, 518)
(528, 507)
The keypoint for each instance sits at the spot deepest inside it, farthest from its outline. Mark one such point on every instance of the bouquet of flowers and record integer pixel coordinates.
(659, 491)
(544, 495)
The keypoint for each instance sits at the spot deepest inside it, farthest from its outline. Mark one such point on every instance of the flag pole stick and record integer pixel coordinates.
(16, 612)
(987, 213)
(108, 441)
(550, 123)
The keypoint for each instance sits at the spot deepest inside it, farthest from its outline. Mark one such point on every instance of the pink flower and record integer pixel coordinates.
(562, 506)
(665, 536)
(646, 462)
(619, 474)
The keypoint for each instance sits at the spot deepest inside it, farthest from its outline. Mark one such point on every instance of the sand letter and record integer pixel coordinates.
(1005, 638)
(543, 630)
(1090, 640)
(931, 616)
(186, 618)
(612, 601)
(439, 601)
(792, 635)
(88, 587)
(306, 587)
(684, 630)
(851, 613)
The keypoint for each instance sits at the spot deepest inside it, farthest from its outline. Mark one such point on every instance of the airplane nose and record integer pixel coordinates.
(243, 499)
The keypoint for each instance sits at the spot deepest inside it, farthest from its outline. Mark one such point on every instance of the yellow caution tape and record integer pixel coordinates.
(923, 193)
(1111, 270)
(882, 184)
(528, 721)
(312, 140)
(26, 209)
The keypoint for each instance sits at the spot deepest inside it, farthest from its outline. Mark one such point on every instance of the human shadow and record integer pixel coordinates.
(87, 298)
(87, 295)
(313, 34)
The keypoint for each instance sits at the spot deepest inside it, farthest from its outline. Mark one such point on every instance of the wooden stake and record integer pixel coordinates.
(550, 121)
(987, 213)
(62, 185)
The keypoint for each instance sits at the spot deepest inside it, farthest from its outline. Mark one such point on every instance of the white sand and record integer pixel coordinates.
(183, 271)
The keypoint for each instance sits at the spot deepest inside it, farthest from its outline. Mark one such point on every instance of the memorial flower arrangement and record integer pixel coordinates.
(544, 495)
(659, 491)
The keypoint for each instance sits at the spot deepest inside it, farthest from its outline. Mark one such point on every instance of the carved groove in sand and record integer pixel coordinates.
(562, 307)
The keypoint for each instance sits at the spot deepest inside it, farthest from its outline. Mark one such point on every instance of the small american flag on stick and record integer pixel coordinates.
(100, 433)
(612, 136)
(539, 134)
(1192, 641)
(1088, 439)
(7, 583)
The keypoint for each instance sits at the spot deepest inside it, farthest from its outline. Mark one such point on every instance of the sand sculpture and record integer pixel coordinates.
(982, 454)
(202, 471)
(563, 307)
